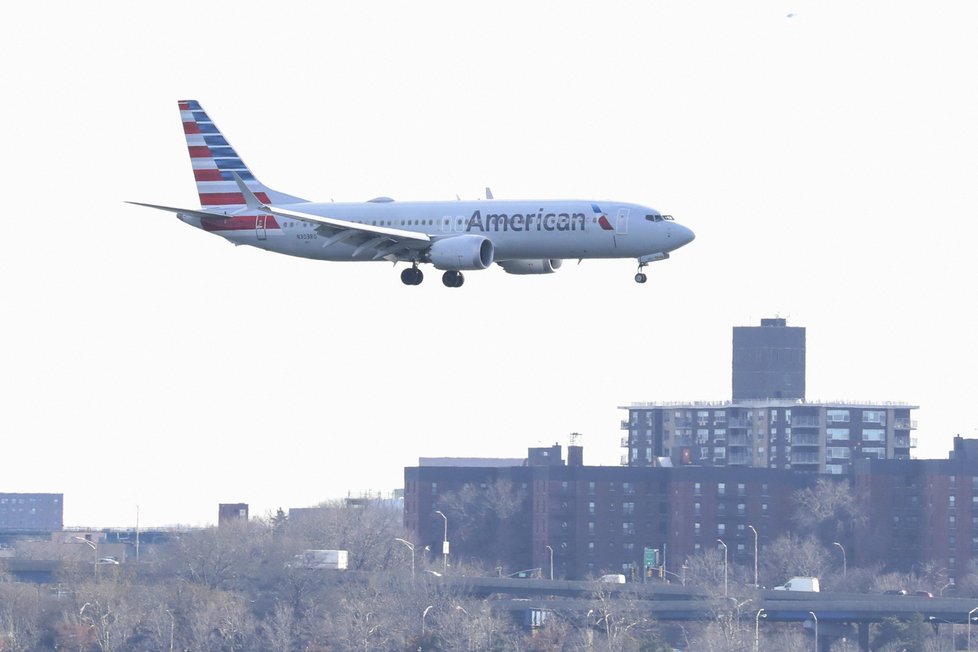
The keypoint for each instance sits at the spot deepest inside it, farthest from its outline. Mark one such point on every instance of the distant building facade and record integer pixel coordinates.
(768, 361)
(601, 519)
(31, 513)
(823, 437)
(232, 513)
(921, 511)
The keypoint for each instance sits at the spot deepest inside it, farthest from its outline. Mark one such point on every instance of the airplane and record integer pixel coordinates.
(521, 236)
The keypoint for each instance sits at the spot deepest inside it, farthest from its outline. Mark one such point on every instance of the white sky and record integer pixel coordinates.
(826, 162)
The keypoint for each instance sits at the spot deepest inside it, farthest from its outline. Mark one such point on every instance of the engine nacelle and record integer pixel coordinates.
(462, 252)
(528, 266)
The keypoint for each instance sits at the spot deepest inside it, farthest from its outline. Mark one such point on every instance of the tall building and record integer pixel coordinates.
(768, 423)
(823, 437)
(768, 361)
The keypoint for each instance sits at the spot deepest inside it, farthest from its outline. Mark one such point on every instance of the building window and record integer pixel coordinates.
(697, 509)
(837, 434)
(590, 527)
(874, 434)
(696, 529)
(721, 489)
(628, 528)
(741, 509)
(741, 489)
(434, 487)
(837, 416)
(697, 489)
(628, 508)
(874, 416)
(721, 529)
(628, 487)
(590, 508)
(590, 487)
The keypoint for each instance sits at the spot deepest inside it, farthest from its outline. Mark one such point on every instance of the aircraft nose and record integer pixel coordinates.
(683, 235)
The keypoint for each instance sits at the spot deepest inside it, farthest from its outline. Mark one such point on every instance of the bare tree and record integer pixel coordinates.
(22, 610)
(791, 555)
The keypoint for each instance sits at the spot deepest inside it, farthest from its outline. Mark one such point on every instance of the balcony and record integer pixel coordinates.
(737, 422)
(904, 424)
(739, 460)
(804, 458)
(738, 440)
(804, 439)
(805, 421)
(624, 442)
(625, 425)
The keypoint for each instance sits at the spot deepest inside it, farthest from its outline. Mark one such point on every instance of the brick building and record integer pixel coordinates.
(920, 511)
(596, 519)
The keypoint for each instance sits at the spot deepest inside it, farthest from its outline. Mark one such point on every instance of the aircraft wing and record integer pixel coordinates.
(385, 241)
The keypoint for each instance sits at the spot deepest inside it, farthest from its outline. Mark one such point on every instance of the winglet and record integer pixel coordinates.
(488, 193)
(251, 201)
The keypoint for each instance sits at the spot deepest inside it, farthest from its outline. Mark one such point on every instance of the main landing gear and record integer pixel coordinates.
(412, 276)
(452, 279)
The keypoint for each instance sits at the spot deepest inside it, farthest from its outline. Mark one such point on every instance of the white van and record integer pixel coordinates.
(799, 584)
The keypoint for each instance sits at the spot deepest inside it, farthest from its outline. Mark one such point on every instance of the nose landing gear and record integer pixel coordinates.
(640, 276)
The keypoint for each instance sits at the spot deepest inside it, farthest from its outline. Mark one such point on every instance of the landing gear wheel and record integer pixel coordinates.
(641, 278)
(412, 276)
(453, 279)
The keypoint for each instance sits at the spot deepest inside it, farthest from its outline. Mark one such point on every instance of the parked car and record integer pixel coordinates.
(923, 594)
(895, 592)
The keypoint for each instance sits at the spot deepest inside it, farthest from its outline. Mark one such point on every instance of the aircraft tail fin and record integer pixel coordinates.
(215, 164)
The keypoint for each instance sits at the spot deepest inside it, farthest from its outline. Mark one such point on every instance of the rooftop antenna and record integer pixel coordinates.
(575, 438)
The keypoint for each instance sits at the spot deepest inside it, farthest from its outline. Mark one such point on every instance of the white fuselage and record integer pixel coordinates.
(518, 229)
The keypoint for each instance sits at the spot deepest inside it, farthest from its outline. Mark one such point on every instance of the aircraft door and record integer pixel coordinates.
(260, 226)
(622, 224)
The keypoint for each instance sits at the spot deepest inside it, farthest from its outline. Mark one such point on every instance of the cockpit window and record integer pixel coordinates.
(668, 218)
(654, 218)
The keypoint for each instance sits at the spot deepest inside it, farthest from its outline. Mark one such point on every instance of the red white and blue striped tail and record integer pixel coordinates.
(214, 161)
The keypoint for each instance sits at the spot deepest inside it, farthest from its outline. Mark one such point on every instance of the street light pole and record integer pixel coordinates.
(816, 629)
(757, 630)
(720, 541)
(755, 554)
(970, 613)
(423, 614)
(844, 568)
(551, 562)
(94, 546)
(444, 541)
(411, 546)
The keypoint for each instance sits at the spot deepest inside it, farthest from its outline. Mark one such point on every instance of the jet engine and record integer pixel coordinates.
(528, 266)
(462, 252)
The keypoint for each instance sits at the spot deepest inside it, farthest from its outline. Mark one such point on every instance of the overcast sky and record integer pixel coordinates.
(826, 162)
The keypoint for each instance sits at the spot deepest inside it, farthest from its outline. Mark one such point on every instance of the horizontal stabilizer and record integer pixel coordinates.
(182, 211)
